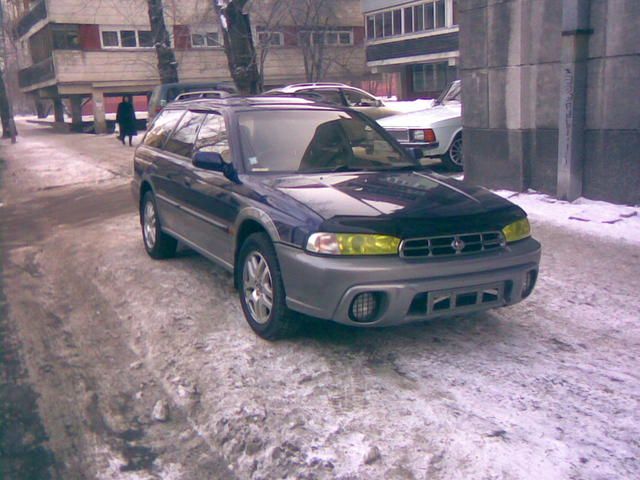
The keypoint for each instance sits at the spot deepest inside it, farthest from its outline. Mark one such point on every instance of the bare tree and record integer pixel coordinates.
(6, 111)
(167, 65)
(238, 44)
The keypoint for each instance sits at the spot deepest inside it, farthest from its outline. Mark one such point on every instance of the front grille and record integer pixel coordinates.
(451, 245)
(402, 135)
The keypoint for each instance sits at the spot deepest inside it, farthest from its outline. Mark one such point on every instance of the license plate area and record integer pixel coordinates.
(459, 299)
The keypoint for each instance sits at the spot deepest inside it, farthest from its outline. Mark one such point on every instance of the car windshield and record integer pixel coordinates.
(314, 141)
(451, 94)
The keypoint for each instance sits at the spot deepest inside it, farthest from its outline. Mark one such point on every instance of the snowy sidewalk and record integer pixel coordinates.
(594, 217)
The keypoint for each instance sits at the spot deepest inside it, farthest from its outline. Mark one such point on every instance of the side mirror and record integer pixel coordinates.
(379, 103)
(209, 161)
(214, 162)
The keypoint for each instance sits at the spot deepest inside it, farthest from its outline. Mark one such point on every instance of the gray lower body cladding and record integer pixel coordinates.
(408, 289)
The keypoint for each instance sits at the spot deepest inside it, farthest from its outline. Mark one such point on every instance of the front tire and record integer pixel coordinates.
(453, 158)
(157, 243)
(261, 289)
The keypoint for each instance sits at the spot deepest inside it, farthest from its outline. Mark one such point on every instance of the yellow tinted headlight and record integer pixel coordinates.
(353, 244)
(517, 230)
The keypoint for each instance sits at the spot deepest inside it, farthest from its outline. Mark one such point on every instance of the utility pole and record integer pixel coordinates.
(573, 97)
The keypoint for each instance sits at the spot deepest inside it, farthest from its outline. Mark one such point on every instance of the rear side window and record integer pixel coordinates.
(162, 127)
(183, 138)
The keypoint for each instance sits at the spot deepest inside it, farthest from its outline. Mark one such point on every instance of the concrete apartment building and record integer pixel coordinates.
(80, 49)
(413, 42)
(551, 96)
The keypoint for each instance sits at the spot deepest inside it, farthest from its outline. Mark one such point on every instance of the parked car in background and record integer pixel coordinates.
(202, 94)
(436, 131)
(316, 209)
(165, 93)
(341, 95)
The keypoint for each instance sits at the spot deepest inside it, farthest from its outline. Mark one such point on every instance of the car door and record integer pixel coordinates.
(210, 197)
(177, 150)
(160, 168)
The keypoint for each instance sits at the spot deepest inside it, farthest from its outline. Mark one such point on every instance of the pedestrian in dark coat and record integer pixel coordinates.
(126, 119)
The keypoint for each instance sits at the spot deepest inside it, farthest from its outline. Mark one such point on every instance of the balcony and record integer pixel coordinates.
(37, 13)
(37, 73)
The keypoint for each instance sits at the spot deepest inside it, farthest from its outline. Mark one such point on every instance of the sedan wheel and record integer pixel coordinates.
(453, 158)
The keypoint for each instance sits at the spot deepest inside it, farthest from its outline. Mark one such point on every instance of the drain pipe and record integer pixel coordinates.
(573, 97)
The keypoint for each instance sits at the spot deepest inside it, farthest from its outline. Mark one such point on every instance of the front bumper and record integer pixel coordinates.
(408, 289)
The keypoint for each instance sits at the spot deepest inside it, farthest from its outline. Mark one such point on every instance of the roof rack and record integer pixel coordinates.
(318, 84)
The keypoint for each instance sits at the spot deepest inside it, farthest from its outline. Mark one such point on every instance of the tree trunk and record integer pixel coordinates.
(239, 47)
(167, 65)
(6, 113)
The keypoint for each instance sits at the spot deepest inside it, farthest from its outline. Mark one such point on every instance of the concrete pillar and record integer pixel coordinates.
(76, 113)
(573, 97)
(58, 110)
(99, 120)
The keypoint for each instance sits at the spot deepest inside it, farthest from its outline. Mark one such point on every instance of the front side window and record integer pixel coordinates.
(313, 141)
(183, 138)
(213, 137)
(162, 127)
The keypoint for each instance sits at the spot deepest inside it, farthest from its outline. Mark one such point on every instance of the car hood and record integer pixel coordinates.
(402, 203)
(422, 118)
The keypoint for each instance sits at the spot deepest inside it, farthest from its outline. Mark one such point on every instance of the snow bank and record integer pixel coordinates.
(588, 216)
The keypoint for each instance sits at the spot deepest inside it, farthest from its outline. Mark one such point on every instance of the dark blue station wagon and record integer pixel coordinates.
(317, 210)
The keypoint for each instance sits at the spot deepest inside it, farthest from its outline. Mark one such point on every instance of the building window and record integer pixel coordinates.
(330, 37)
(268, 38)
(423, 16)
(145, 38)
(430, 77)
(110, 39)
(205, 39)
(129, 38)
(65, 37)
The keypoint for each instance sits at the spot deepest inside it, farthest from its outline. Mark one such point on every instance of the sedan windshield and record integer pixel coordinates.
(314, 141)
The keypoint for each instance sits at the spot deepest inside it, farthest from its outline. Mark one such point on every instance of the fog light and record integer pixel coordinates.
(529, 283)
(364, 307)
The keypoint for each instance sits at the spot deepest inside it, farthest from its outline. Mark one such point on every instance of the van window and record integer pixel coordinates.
(162, 127)
(183, 138)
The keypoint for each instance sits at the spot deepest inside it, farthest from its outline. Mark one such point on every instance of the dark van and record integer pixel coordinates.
(165, 93)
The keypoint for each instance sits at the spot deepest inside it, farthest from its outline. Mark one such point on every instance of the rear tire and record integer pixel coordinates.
(261, 290)
(157, 243)
(453, 159)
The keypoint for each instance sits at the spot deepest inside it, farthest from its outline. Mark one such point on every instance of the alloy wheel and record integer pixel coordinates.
(149, 224)
(257, 285)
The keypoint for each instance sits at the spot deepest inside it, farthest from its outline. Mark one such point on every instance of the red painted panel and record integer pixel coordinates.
(90, 37)
(181, 35)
